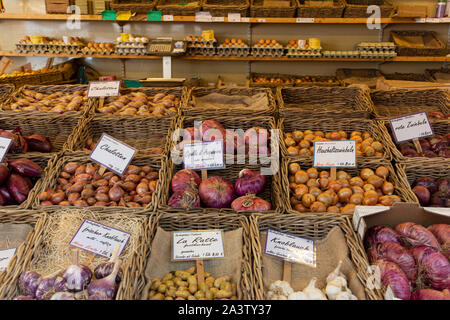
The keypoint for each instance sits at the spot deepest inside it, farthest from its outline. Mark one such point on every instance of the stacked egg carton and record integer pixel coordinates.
(26, 46)
(294, 50)
(70, 46)
(199, 46)
(134, 46)
(233, 47)
(267, 48)
(99, 48)
(377, 50)
(341, 54)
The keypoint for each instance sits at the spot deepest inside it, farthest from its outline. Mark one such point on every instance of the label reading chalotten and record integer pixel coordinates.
(101, 89)
(113, 154)
(203, 155)
(340, 153)
(413, 126)
(99, 238)
(5, 143)
(197, 244)
(5, 257)
(290, 248)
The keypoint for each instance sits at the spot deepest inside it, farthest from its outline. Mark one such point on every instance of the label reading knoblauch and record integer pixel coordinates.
(197, 244)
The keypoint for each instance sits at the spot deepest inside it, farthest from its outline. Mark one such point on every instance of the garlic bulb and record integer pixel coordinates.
(336, 273)
(299, 295)
(314, 293)
(346, 295)
(281, 288)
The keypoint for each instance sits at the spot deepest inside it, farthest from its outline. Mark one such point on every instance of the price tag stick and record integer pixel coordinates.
(199, 262)
(287, 269)
(332, 173)
(102, 168)
(417, 145)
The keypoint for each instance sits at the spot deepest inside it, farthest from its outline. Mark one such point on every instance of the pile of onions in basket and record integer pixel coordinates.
(189, 191)
(413, 260)
(76, 282)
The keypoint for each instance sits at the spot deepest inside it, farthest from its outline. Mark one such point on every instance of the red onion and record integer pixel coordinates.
(434, 267)
(211, 130)
(28, 283)
(249, 182)
(392, 275)
(63, 296)
(256, 135)
(441, 232)
(416, 234)
(185, 179)
(430, 294)
(104, 269)
(4, 173)
(216, 192)
(77, 276)
(379, 234)
(394, 252)
(25, 167)
(49, 285)
(186, 199)
(250, 202)
(106, 285)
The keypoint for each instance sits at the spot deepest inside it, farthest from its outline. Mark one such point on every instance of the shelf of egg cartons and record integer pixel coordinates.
(267, 48)
(295, 51)
(233, 47)
(376, 50)
(199, 46)
(55, 46)
(94, 48)
(134, 46)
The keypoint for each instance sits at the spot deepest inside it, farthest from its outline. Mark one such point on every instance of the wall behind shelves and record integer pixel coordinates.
(333, 37)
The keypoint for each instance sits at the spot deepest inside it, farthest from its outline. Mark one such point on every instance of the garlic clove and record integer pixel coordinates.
(314, 293)
(335, 273)
(299, 295)
(332, 291)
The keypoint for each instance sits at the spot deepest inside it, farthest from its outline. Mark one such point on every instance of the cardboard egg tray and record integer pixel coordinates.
(377, 54)
(65, 48)
(304, 52)
(341, 54)
(376, 46)
(26, 48)
(89, 51)
(267, 51)
(237, 51)
(196, 43)
(203, 48)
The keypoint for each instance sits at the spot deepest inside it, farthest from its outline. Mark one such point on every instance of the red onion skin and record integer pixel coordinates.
(25, 167)
(186, 199)
(28, 283)
(380, 234)
(211, 130)
(4, 173)
(441, 232)
(395, 253)
(250, 203)
(416, 234)
(216, 192)
(434, 266)
(38, 143)
(7, 196)
(392, 275)
(249, 182)
(430, 294)
(185, 179)
(24, 298)
(18, 187)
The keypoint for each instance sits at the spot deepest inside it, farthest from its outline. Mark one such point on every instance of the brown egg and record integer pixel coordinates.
(356, 198)
(301, 177)
(366, 173)
(293, 167)
(382, 172)
(308, 199)
(318, 206)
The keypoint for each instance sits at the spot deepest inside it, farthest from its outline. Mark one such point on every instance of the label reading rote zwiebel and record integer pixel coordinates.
(5, 257)
(5, 143)
(99, 238)
(101, 89)
(113, 154)
(410, 127)
(340, 153)
(197, 244)
(290, 248)
(203, 155)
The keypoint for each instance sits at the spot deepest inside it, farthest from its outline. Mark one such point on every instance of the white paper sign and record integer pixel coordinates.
(101, 89)
(304, 20)
(112, 154)
(245, 19)
(261, 20)
(336, 153)
(234, 17)
(413, 126)
(5, 143)
(5, 257)
(218, 19)
(203, 155)
(290, 248)
(197, 244)
(203, 16)
(99, 238)
(167, 17)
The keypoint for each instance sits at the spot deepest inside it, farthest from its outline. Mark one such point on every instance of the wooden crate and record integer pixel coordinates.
(57, 6)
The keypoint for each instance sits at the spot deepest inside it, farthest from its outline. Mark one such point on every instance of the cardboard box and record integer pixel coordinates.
(365, 217)
(411, 11)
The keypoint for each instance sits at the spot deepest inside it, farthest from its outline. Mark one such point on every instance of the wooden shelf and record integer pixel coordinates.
(143, 18)
(217, 58)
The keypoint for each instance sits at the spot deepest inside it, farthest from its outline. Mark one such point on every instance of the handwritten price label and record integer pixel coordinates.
(203, 155)
(341, 153)
(5, 257)
(5, 143)
(197, 244)
(413, 126)
(101, 89)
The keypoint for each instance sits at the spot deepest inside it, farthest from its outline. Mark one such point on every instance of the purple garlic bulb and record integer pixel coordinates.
(77, 276)
(99, 296)
(24, 298)
(107, 285)
(104, 269)
(50, 285)
(28, 283)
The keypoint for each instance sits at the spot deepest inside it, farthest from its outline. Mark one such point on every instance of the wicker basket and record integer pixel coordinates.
(5, 91)
(326, 125)
(158, 163)
(178, 7)
(398, 102)
(37, 250)
(315, 227)
(51, 77)
(319, 81)
(358, 8)
(140, 133)
(368, 77)
(430, 73)
(437, 48)
(440, 127)
(324, 102)
(288, 80)
(409, 171)
(188, 108)
(220, 8)
(406, 76)
(214, 220)
(137, 6)
(257, 9)
(306, 10)
(308, 163)
(18, 81)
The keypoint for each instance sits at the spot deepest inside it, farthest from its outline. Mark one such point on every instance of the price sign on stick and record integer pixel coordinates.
(333, 154)
(101, 89)
(5, 143)
(99, 239)
(291, 249)
(203, 155)
(197, 245)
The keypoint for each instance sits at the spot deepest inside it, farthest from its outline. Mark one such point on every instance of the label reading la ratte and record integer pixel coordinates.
(5, 257)
(339, 153)
(101, 89)
(197, 244)
(5, 143)
(413, 126)
(290, 248)
(203, 155)
(99, 238)
(112, 154)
